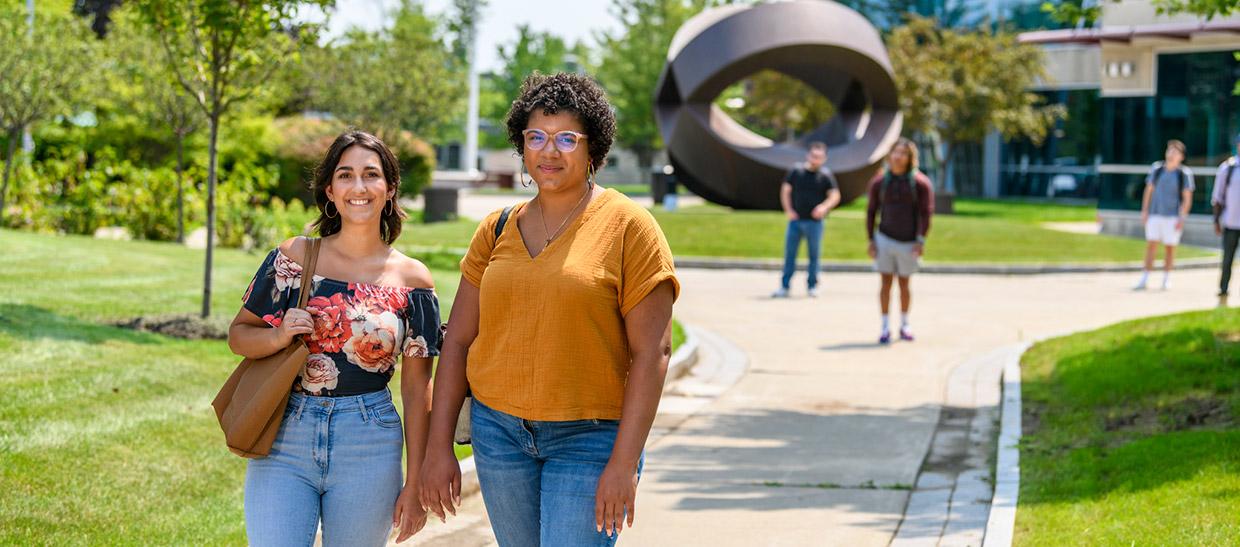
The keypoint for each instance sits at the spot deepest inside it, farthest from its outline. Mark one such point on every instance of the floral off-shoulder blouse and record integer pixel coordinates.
(360, 329)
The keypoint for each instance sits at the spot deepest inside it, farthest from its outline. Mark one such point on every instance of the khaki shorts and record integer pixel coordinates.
(895, 257)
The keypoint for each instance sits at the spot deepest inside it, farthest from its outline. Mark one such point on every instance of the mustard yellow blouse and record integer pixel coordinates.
(551, 342)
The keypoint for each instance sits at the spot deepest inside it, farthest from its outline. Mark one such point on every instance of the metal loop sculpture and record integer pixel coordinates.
(831, 48)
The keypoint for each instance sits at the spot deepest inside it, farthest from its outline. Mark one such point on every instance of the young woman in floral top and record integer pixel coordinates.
(336, 459)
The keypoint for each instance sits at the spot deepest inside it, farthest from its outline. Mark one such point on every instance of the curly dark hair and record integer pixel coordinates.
(393, 216)
(569, 92)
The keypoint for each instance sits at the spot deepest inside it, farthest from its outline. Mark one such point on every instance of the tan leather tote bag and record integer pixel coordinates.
(251, 404)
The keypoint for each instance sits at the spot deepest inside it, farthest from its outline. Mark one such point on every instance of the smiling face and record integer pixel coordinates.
(359, 188)
(552, 169)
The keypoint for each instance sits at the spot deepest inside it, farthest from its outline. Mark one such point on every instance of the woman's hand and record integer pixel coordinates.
(441, 482)
(409, 516)
(295, 321)
(613, 500)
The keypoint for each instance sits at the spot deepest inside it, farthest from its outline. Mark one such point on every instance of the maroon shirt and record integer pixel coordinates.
(901, 217)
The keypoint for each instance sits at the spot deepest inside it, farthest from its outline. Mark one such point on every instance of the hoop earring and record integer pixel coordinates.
(590, 175)
(388, 207)
(521, 175)
(333, 206)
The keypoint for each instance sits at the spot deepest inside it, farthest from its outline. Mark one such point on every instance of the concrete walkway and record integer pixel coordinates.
(819, 443)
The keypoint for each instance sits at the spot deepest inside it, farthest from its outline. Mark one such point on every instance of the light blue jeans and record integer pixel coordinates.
(539, 478)
(811, 231)
(335, 459)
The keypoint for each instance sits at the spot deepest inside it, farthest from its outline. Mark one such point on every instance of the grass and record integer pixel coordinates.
(980, 231)
(1131, 434)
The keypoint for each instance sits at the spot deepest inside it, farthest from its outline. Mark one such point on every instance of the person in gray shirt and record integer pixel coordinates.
(1226, 202)
(1164, 207)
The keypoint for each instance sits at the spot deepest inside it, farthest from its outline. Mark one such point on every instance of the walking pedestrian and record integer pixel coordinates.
(1226, 202)
(1164, 208)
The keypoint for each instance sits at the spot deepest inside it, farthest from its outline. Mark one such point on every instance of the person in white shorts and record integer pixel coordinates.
(897, 221)
(1164, 207)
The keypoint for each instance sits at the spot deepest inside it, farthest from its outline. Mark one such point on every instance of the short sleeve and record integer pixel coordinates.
(647, 261)
(272, 286)
(788, 175)
(1188, 179)
(423, 336)
(1149, 177)
(830, 178)
(479, 253)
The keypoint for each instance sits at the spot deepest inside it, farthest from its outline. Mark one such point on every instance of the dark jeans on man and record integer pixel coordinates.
(1230, 239)
(811, 231)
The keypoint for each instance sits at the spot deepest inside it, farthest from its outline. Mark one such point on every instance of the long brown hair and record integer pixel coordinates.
(910, 148)
(390, 224)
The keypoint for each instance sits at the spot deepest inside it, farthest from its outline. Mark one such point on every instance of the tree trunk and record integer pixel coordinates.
(211, 160)
(180, 187)
(8, 169)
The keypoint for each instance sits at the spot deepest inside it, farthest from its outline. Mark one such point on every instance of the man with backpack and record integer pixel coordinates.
(1226, 202)
(902, 201)
(1164, 208)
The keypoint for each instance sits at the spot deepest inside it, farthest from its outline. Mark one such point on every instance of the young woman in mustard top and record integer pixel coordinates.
(561, 329)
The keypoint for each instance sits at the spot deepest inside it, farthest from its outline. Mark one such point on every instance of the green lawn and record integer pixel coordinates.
(1131, 434)
(981, 231)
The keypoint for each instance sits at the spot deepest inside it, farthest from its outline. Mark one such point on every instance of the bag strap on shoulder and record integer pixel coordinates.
(307, 271)
(503, 219)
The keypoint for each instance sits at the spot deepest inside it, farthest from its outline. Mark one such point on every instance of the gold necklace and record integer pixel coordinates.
(543, 217)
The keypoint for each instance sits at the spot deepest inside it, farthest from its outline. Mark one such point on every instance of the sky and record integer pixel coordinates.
(571, 20)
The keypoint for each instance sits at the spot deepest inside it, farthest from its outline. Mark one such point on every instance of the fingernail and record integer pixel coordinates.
(600, 528)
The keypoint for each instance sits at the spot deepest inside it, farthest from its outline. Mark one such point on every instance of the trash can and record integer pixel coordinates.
(440, 204)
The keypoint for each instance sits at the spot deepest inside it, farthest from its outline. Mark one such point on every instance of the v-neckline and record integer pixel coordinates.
(572, 227)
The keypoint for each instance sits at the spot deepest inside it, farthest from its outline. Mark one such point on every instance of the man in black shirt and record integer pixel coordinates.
(808, 193)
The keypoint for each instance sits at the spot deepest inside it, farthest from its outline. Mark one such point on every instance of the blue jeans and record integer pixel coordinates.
(539, 478)
(336, 459)
(811, 231)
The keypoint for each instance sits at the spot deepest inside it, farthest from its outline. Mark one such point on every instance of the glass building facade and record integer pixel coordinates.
(1106, 145)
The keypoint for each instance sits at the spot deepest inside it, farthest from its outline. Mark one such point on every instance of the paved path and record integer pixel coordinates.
(817, 443)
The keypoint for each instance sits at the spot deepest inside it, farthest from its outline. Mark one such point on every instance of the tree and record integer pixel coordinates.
(222, 52)
(632, 61)
(397, 79)
(1087, 12)
(149, 89)
(955, 87)
(39, 79)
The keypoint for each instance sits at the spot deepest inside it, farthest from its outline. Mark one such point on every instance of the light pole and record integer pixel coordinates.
(470, 159)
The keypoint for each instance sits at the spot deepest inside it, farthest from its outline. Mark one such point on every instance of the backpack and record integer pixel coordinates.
(1218, 207)
(1181, 181)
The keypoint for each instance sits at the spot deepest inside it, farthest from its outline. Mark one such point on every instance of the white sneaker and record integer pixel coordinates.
(781, 293)
(1140, 286)
(813, 293)
(1166, 284)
